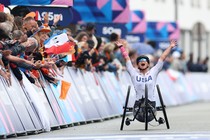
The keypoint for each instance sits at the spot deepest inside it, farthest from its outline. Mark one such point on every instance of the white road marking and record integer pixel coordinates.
(188, 136)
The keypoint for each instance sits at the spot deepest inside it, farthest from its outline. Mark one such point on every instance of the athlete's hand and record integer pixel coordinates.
(120, 43)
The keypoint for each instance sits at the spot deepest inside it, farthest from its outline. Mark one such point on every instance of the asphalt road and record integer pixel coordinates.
(190, 121)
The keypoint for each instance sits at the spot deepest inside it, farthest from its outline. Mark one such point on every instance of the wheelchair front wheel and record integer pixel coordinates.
(125, 107)
(146, 107)
(163, 107)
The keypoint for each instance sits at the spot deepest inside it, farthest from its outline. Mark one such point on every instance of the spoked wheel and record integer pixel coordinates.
(125, 107)
(146, 107)
(163, 106)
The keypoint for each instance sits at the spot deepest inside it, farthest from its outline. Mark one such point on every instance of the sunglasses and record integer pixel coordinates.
(143, 60)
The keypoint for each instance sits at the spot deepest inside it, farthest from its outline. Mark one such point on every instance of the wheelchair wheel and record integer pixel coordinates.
(146, 107)
(125, 107)
(163, 107)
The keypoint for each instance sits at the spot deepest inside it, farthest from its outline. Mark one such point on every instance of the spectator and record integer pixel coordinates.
(82, 36)
(205, 64)
(84, 59)
(91, 29)
(18, 22)
(30, 26)
(190, 64)
(178, 63)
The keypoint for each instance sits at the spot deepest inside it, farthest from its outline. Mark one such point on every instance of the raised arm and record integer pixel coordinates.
(168, 50)
(120, 45)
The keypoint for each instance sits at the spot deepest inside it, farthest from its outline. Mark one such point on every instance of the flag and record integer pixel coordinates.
(65, 48)
(69, 57)
(1, 7)
(64, 89)
(173, 74)
(58, 44)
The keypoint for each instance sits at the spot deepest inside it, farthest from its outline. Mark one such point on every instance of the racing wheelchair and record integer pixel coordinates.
(144, 110)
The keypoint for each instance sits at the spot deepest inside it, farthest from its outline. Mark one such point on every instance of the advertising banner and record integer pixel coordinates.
(101, 11)
(64, 109)
(106, 29)
(135, 38)
(113, 99)
(97, 94)
(40, 10)
(53, 105)
(90, 111)
(21, 105)
(8, 115)
(162, 31)
(39, 103)
(37, 2)
(74, 100)
(64, 11)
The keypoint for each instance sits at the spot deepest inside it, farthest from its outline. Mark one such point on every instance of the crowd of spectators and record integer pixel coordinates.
(177, 61)
(199, 66)
(22, 51)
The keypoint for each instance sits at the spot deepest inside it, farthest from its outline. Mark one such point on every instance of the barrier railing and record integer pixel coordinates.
(92, 97)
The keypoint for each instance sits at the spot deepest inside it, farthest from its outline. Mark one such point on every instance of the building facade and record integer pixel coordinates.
(192, 17)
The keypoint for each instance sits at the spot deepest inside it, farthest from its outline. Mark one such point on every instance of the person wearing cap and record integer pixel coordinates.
(144, 75)
(41, 35)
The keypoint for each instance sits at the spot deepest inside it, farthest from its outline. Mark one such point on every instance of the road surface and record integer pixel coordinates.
(190, 121)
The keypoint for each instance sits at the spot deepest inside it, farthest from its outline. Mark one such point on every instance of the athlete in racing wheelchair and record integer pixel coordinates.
(144, 82)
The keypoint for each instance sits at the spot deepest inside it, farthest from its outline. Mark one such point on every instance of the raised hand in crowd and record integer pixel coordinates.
(72, 39)
(46, 18)
(57, 18)
(5, 73)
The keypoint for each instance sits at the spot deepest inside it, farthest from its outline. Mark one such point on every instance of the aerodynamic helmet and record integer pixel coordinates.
(142, 58)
